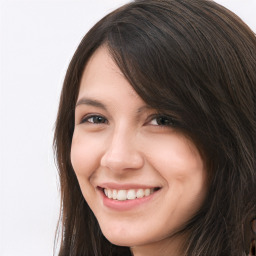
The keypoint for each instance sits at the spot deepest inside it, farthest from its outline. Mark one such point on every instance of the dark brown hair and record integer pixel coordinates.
(197, 60)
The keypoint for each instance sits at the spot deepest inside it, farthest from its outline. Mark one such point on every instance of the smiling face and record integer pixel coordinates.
(140, 176)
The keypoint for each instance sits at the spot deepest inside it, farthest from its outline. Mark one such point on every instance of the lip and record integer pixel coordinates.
(126, 205)
(117, 186)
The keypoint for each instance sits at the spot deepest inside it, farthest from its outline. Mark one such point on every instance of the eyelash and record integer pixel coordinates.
(166, 119)
(87, 118)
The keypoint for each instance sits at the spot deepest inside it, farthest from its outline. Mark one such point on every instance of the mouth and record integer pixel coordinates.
(128, 194)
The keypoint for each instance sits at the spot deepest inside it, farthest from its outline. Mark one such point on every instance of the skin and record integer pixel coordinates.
(127, 145)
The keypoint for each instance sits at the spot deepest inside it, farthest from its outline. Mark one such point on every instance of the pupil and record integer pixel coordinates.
(163, 121)
(98, 119)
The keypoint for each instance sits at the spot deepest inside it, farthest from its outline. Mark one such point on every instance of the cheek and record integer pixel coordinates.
(178, 161)
(84, 155)
(176, 156)
(85, 160)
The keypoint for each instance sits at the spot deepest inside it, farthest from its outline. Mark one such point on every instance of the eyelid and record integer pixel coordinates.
(173, 120)
(86, 117)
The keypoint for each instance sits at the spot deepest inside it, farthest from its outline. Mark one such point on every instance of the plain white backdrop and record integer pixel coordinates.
(37, 41)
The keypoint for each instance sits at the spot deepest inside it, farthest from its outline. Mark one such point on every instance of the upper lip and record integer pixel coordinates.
(126, 186)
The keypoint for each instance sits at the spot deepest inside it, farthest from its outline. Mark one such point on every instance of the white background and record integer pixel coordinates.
(37, 41)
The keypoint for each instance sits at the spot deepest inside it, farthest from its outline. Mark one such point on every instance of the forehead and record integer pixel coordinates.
(101, 74)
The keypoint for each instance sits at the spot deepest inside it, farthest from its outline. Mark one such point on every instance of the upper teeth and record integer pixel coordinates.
(127, 194)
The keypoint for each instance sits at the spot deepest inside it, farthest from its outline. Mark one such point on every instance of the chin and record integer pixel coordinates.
(122, 238)
(120, 242)
(130, 238)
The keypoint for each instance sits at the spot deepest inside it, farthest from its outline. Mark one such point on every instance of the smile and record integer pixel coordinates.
(126, 197)
(131, 194)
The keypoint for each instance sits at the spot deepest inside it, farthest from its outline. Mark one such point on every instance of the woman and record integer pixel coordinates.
(155, 135)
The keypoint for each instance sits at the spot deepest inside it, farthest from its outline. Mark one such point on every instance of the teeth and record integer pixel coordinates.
(109, 194)
(147, 192)
(114, 194)
(140, 193)
(121, 195)
(131, 194)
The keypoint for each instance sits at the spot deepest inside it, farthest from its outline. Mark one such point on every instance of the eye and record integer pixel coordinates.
(94, 119)
(162, 120)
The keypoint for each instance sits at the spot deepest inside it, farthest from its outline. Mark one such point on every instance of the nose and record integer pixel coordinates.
(122, 153)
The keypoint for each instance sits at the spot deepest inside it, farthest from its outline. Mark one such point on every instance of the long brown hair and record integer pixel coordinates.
(197, 60)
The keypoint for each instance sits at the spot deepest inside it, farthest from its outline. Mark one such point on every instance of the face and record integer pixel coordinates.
(140, 176)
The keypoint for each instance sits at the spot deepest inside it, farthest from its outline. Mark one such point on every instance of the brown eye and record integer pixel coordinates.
(94, 119)
(162, 121)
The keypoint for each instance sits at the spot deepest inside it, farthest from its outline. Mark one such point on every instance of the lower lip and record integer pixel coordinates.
(126, 205)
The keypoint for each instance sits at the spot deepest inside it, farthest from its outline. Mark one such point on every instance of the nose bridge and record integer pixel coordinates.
(120, 141)
(121, 151)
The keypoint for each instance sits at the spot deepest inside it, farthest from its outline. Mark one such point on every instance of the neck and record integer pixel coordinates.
(165, 247)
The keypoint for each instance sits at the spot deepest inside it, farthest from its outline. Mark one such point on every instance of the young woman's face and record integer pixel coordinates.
(153, 176)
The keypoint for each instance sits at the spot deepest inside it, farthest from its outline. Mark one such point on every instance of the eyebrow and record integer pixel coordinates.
(144, 108)
(91, 102)
(98, 104)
